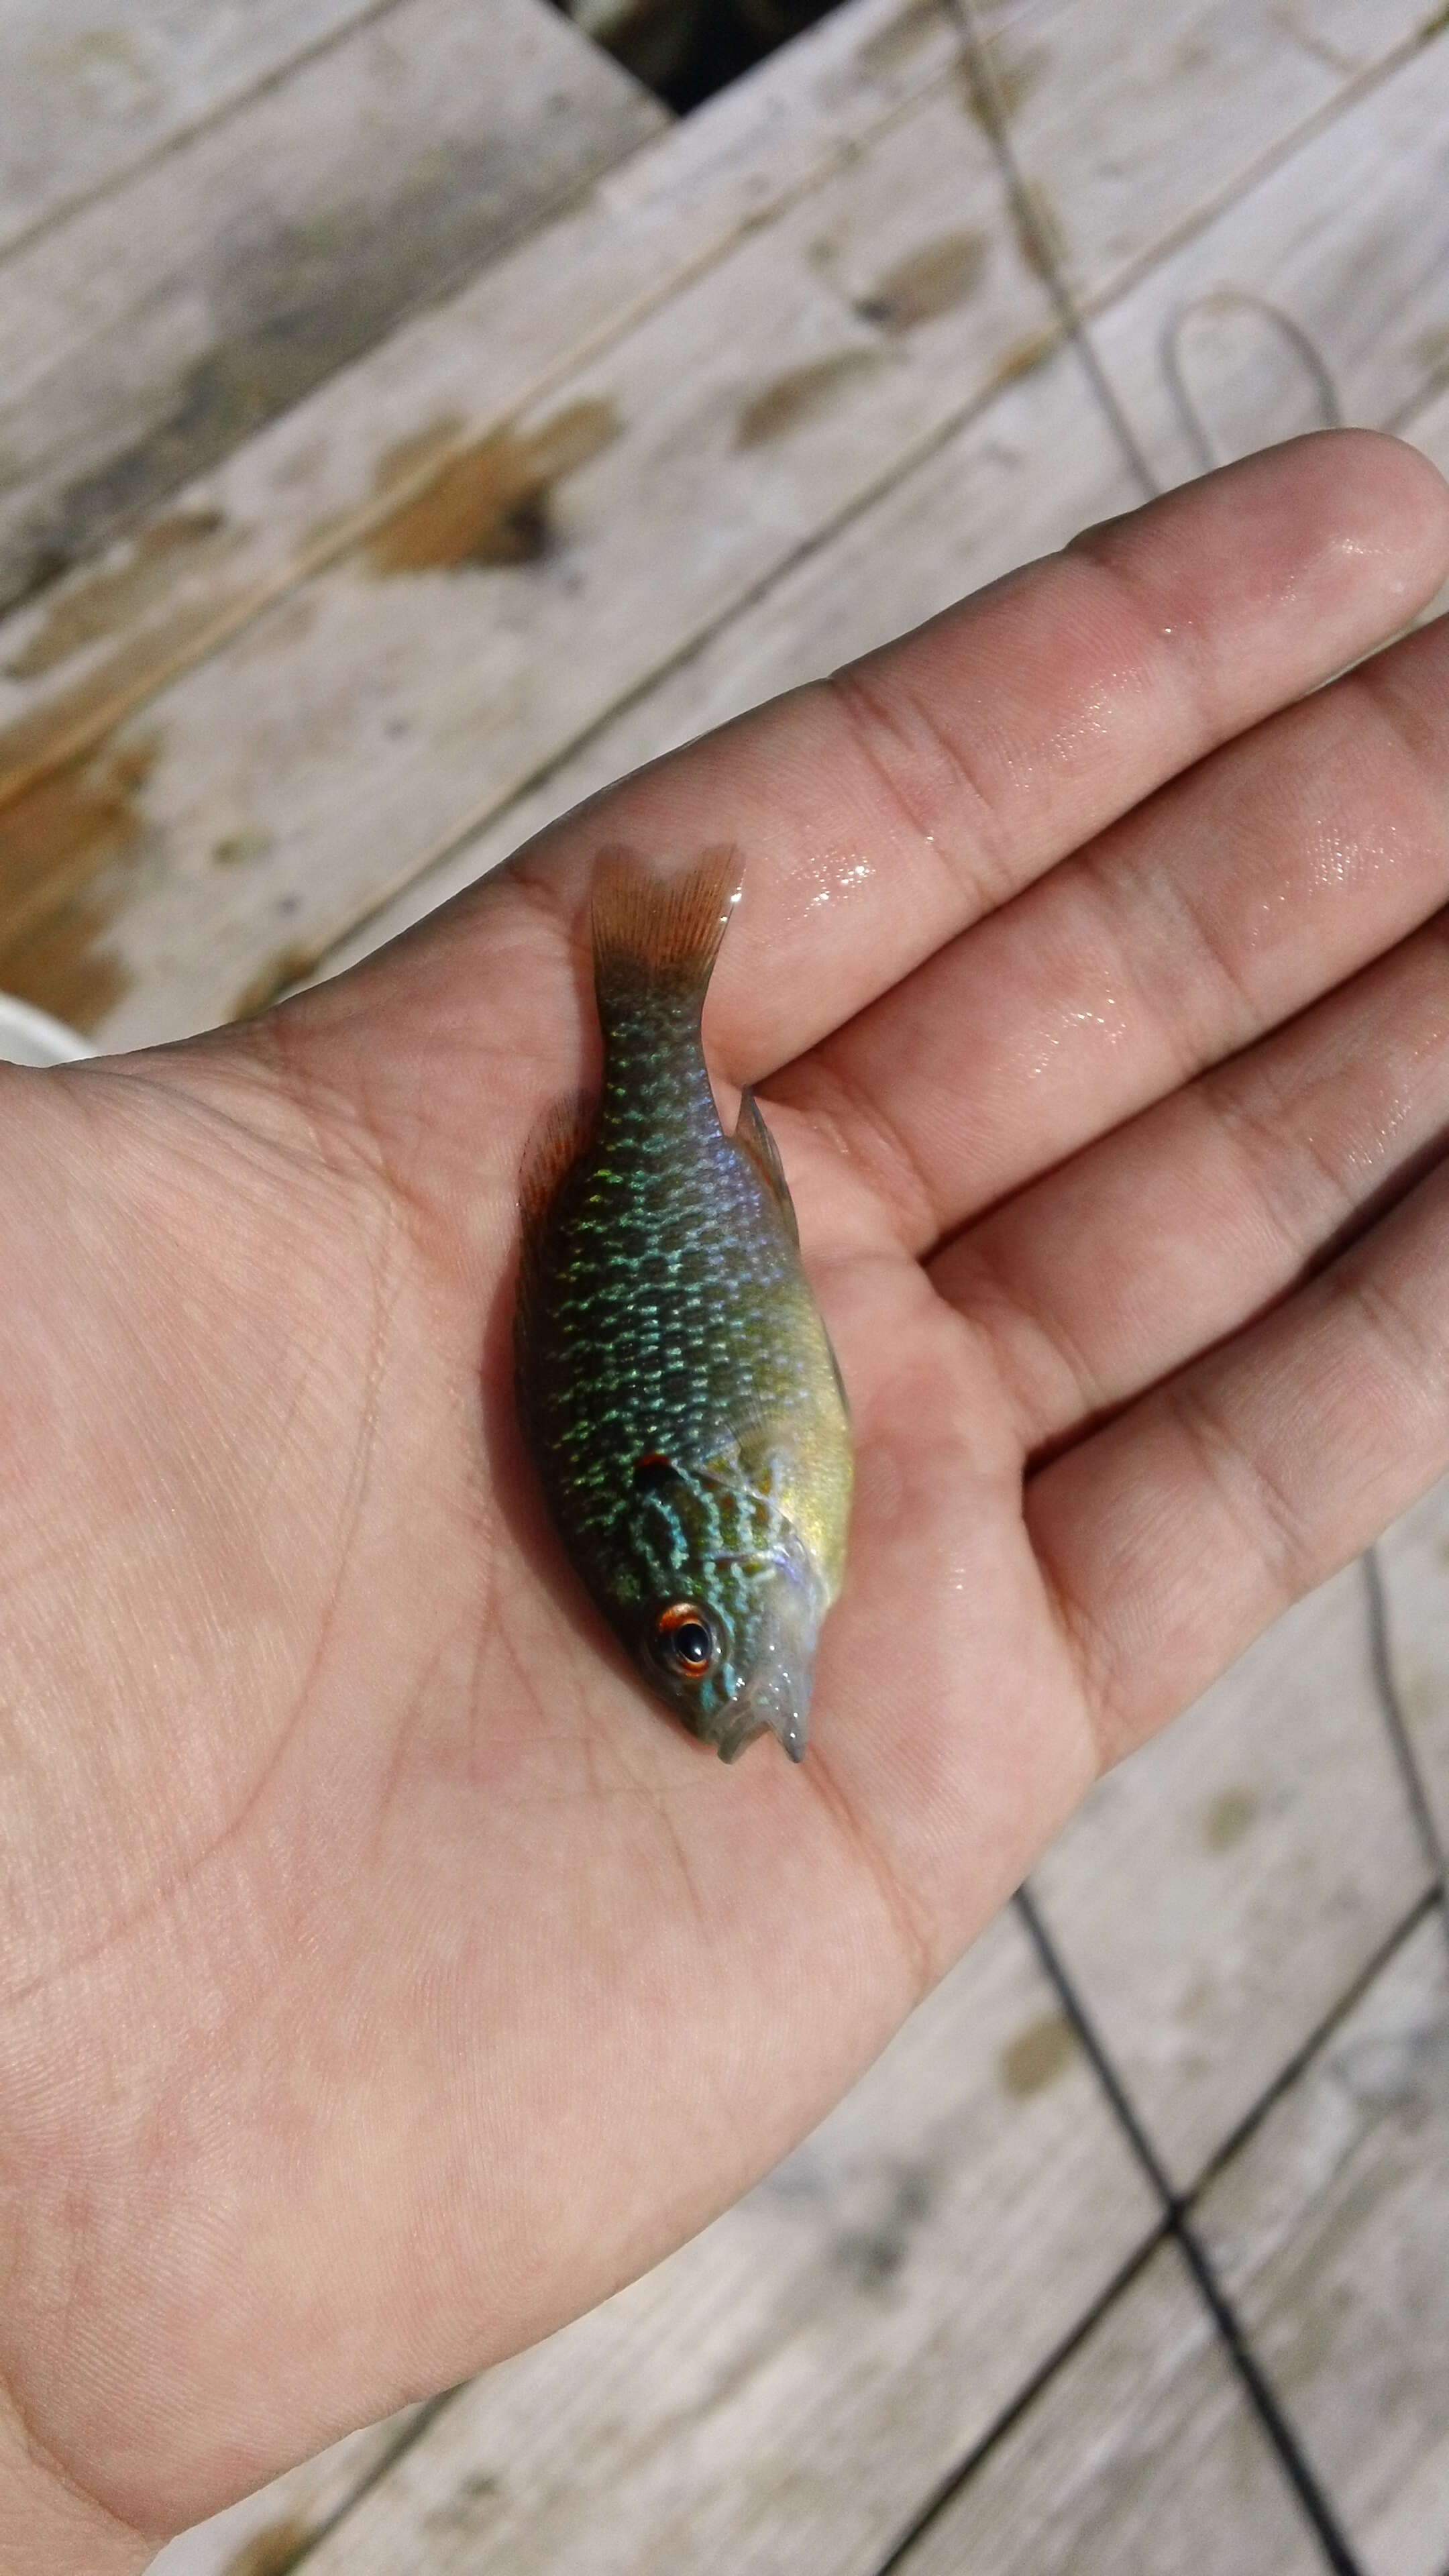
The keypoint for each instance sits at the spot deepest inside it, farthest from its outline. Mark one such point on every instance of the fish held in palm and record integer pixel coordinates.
(676, 1386)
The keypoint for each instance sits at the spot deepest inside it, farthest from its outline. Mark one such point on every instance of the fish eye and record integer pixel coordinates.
(685, 1640)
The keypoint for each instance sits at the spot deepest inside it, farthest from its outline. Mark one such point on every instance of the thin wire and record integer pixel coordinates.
(1227, 299)
(1036, 236)
(951, 2485)
(421, 2421)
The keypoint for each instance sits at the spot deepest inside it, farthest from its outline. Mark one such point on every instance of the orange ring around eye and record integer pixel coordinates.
(667, 1627)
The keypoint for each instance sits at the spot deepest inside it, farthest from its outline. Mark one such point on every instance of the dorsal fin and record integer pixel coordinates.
(754, 1136)
(658, 931)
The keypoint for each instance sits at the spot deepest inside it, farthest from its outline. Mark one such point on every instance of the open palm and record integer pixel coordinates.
(384, 1977)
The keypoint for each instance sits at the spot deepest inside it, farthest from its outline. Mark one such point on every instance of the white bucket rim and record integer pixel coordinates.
(29, 1036)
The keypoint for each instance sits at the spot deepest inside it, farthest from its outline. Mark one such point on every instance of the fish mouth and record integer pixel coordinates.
(776, 1698)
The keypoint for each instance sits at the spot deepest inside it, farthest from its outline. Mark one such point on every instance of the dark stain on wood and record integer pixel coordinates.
(1025, 354)
(271, 2552)
(297, 295)
(271, 981)
(932, 281)
(400, 471)
(874, 2255)
(1038, 2055)
(107, 600)
(490, 504)
(801, 396)
(1227, 1818)
(80, 718)
(67, 846)
(995, 90)
(467, 2513)
(1038, 227)
(235, 849)
(413, 459)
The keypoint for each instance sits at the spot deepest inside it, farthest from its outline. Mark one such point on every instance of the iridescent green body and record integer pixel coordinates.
(676, 1384)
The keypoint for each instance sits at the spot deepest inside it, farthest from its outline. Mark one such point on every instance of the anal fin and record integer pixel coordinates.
(553, 1148)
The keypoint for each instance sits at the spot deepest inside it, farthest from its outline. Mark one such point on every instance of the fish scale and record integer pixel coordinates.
(676, 1385)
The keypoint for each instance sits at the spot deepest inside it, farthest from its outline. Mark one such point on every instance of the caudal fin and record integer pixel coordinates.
(657, 930)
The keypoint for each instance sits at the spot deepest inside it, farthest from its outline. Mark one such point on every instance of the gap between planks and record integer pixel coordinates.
(104, 102)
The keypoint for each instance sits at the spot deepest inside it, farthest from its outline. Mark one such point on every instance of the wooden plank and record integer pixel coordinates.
(1219, 1894)
(1329, 2230)
(781, 2393)
(328, 468)
(353, 729)
(145, 334)
(733, 160)
(97, 86)
(409, 688)
(1038, 463)
(264, 2531)
(1414, 1559)
(1324, 292)
(1139, 2457)
(1161, 121)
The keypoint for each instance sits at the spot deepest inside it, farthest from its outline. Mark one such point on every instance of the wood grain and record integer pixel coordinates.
(337, 462)
(1139, 2457)
(356, 728)
(1220, 1893)
(364, 725)
(146, 334)
(1020, 479)
(1329, 2229)
(94, 87)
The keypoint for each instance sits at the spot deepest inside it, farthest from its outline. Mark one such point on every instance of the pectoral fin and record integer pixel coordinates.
(754, 1136)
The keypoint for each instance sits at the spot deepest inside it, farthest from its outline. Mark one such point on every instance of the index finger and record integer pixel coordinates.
(886, 809)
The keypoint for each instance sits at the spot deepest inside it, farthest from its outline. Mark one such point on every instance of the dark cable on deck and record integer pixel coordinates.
(1386, 1682)
(1257, 2386)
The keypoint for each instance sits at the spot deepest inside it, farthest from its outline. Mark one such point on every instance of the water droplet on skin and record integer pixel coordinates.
(837, 881)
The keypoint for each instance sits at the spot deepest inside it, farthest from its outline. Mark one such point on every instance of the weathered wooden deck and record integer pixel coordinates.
(475, 434)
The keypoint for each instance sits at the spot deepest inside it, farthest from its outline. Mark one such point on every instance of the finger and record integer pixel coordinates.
(1174, 1535)
(883, 812)
(1175, 1229)
(1274, 869)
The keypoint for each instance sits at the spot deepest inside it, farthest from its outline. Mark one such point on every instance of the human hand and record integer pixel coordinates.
(384, 1977)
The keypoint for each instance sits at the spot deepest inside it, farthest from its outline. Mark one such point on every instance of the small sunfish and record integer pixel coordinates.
(676, 1385)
